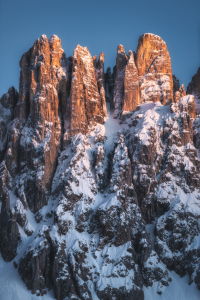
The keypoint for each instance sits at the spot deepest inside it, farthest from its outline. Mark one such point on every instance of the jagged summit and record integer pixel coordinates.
(42, 37)
(154, 36)
(120, 49)
(54, 37)
(99, 176)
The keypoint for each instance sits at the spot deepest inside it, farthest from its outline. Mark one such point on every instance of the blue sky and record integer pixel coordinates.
(101, 26)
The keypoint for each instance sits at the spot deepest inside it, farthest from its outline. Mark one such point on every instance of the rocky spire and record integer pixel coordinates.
(109, 86)
(180, 93)
(7, 105)
(194, 89)
(118, 99)
(42, 69)
(176, 84)
(117, 205)
(101, 81)
(131, 85)
(86, 102)
(154, 69)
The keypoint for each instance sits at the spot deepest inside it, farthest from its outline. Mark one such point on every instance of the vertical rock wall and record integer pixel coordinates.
(194, 89)
(118, 98)
(131, 85)
(154, 69)
(85, 99)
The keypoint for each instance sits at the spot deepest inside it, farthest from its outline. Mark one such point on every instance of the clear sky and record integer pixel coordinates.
(101, 26)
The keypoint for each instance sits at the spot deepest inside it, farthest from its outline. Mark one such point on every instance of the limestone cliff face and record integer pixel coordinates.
(148, 77)
(86, 102)
(131, 85)
(154, 68)
(118, 98)
(109, 86)
(100, 76)
(116, 201)
(176, 84)
(194, 89)
(43, 68)
(7, 105)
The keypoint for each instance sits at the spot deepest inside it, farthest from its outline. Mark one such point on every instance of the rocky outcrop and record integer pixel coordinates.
(86, 102)
(7, 105)
(176, 84)
(180, 93)
(196, 132)
(9, 231)
(109, 86)
(118, 98)
(131, 85)
(43, 67)
(187, 104)
(35, 267)
(154, 69)
(99, 67)
(194, 89)
(176, 232)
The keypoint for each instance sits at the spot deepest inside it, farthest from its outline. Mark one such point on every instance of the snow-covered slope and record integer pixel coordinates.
(92, 240)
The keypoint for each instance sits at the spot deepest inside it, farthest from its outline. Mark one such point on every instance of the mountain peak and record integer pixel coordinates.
(99, 175)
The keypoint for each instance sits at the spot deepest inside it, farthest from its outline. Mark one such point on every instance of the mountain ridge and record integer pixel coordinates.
(99, 173)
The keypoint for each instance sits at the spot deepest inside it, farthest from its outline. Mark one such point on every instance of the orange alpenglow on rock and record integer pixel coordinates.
(154, 69)
(43, 67)
(85, 98)
(56, 51)
(131, 85)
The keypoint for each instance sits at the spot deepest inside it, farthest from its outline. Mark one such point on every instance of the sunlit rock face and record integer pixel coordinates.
(85, 98)
(42, 69)
(145, 77)
(131, 85)
(99, 175)
(154, 69)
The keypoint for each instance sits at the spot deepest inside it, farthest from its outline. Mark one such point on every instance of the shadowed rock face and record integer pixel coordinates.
(154, 69)
(7, 105)
(109, 86)
(100, 77)
(117, 204)
(194, 89)
(118, 98)
(176, 84)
